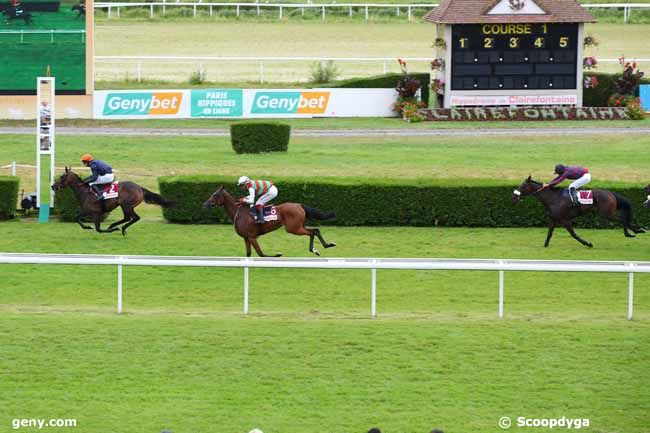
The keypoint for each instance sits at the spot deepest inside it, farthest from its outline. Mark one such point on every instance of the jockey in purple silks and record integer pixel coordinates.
(578, 174)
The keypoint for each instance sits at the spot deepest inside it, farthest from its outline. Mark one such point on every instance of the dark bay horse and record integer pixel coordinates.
(130, 195)
(290, 215)
(562, 212)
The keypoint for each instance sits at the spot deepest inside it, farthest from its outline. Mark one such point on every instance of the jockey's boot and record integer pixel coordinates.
(98, 192)
(574, 197)
(259, 212)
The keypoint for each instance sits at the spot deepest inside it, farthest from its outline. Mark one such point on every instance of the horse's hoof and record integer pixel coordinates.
(278, 255)
(316, 252)
(641, 230)
(590, 245)
(330, 245)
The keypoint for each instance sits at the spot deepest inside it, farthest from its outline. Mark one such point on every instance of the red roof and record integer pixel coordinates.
(475, 12)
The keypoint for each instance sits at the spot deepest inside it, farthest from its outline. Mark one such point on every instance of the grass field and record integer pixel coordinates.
(277, 39)
(308, 359)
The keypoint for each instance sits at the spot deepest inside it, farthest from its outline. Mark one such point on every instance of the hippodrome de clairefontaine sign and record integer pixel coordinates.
(524, 113)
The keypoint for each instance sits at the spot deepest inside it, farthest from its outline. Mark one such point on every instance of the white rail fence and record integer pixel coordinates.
(20, 34)
(209, 7)
(371, 264)
(222, 68)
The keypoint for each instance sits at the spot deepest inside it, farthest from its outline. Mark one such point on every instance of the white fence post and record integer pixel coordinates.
(280, 12)
(373, 296)
(246, 290)
(500, 294)
(237, 10)
(323, 14)
(409, 13)
(630, 294)
(119, 288)
(13, 167)
(366, 12)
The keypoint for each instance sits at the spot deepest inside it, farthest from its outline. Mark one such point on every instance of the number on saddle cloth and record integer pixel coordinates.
(270, 213)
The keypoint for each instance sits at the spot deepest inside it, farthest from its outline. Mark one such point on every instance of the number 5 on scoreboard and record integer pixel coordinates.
(564, 42)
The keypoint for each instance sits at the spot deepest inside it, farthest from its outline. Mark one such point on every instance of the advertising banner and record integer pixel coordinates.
(243, 103)
(477, 100)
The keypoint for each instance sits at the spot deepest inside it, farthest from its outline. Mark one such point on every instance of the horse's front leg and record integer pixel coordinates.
(81, 223)
(248, 247)
(258, 250)
(551, 227)
(97, 219)
(573, 234)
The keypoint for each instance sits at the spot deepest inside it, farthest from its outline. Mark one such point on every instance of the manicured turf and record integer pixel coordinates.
(142, 159)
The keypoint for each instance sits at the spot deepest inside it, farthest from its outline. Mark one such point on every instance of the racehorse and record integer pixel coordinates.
(562, 212)
(130, 195)
(647, 202)
(13, 13)
(290, 215)
(81, 10)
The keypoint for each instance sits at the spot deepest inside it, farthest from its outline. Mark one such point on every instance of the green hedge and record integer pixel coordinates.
(66, 205)
(386, 82)
(598, 96)
(379, 202)
(249, 137)
(8, 196)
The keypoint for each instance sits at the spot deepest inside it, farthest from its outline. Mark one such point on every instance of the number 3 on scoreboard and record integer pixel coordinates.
(514, 42)
(564, 42)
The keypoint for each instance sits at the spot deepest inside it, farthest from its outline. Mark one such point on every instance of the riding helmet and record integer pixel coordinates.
(87, 157)
(560, 168)
(243, 180)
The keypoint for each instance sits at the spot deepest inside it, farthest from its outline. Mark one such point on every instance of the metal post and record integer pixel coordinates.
(246, 290)
(373, 301)
(13, 167)
(630, 295)
(119, 288)
(500, 294)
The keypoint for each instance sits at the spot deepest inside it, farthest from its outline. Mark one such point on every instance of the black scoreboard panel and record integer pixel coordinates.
(514, 56)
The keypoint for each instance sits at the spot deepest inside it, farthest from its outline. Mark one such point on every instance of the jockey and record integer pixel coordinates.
(102, 174)
(578, 174)
(263, 189)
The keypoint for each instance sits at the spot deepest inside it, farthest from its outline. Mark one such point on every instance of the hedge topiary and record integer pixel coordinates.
(66, 205)
(249, 137)
(8, 196)
(387, 81)
(381, 202)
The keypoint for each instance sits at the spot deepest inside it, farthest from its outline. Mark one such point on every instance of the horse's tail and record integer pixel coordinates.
(624, 206)
(153, 198)
(317, 214)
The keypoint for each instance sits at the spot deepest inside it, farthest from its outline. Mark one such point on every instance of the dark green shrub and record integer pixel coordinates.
(8, 196)
(388, 81)
(598, 96)
(381, 202)
(66, 205)
(259, 137)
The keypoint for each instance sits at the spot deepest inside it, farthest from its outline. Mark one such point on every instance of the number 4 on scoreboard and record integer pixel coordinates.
(539, 42)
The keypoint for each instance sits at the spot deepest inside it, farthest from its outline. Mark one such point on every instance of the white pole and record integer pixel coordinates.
(409, 12)
(366, 12)
(246, 290)
(323, 14)
(119, 289)
(13, 167)
(630, 296)
(280, 12)
(238, 10)
(500, 294)
(373, 302)
(151, 11)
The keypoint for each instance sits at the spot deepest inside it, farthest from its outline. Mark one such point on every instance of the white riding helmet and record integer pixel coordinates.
(243, 180)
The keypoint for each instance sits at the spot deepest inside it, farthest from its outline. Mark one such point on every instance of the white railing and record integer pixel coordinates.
(338, 263)
(22, 33)
(209, 7)
(260, 66)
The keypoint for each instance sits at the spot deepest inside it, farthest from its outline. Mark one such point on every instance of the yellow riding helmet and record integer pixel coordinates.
(87, 157)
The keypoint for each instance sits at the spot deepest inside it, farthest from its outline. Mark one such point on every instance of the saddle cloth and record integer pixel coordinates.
(585, 197)
(270, 213)
(111, 190)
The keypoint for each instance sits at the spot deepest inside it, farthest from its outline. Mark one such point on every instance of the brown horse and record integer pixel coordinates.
(290, 215)
(562, 212)
(130, 195)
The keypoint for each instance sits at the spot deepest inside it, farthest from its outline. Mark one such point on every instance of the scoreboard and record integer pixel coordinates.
(539, 56)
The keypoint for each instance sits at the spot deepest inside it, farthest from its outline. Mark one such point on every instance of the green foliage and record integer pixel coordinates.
(598, 96)
(381, 202)
(8, 196)
(250, 137)
(66, 205)
(388, 81)
(324, 72)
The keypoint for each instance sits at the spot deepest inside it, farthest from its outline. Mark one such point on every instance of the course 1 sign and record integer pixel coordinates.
(244, 103)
